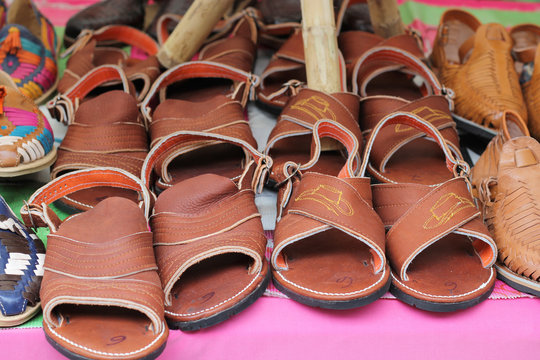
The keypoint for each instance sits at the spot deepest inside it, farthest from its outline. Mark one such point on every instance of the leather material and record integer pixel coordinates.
(402, 153)
(329, 242)
(487, 165)
(450, 257)
(103, 13)
(291, 138)
(86, 297)
(209, 245)
(527, 50)
(506, 177)
(87, 55)
(106, 130)
(475, 61)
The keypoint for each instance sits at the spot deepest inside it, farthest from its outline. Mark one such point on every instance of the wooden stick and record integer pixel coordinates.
(320, 45)
(385, 18)
(191, 31)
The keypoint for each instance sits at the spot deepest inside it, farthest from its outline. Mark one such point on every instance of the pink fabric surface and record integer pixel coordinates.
(283, 329)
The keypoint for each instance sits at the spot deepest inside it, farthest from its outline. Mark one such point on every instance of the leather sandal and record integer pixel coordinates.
(475, 61)
(526, 50)
(101, 293)
(440, 252)
(506, 177)
(22, 254)
(103, 130)
(291, 138)
(329, 247)
(403, 154)
(209, 241)
(90, 51)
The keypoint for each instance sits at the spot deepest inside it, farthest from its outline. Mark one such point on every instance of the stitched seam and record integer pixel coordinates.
(333, 294)
(107, 353)
(483, 285)
(221, 303)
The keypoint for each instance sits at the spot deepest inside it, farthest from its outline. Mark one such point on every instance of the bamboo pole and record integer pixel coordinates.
(192, 30)
(320, 45)
(385, 18)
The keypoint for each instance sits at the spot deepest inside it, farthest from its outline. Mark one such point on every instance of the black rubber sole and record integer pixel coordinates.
(71, 355)
(224, 315)
(333, 305)
(435, 306)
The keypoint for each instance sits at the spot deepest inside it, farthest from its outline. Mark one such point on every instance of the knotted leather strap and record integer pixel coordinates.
(36, 212)
(430, 213)
(63, 106)
(215, 218)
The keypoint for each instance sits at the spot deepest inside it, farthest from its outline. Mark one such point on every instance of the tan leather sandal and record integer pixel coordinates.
(329, 243)
(440, 252)
(209, 241)
(103, 130)
(527, 52)
(475, 61)
(506, 176)
(101, 293)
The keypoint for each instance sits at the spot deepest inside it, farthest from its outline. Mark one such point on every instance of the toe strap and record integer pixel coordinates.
(321, 202)
(430, 214)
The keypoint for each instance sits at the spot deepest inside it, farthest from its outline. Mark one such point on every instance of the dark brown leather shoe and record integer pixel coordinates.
(107, 12)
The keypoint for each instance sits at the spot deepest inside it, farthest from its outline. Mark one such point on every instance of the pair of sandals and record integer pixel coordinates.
(330, 247)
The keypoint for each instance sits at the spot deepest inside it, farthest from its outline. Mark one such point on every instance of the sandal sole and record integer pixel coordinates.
(436, 306)
(333, 305)
(516, 281)
(71, 355)
(9, 321)
(224, 315)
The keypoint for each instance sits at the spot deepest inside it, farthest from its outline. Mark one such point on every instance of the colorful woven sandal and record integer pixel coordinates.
(21, 268)
(26, 138)
(28, 50)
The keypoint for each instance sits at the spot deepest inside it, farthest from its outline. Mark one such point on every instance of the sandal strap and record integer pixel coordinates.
(383, 59)
(64, 106)
(324, 202)
(431, 213)
(118, 33)
(37, 213)
(200, 69)
(453, 163)
(433, 109)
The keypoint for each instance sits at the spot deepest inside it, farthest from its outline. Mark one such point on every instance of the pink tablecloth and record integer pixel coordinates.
(275, 328)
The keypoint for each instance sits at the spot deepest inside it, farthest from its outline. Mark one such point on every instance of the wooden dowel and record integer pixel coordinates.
(320, 45)
(385, 18)
(192, 30)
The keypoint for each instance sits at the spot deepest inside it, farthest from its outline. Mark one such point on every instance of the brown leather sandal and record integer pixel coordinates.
(403, 154)
(440, 252)
(104, 130)
(89, 51)
(329, 242)
(101, 293)
(209, 241)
